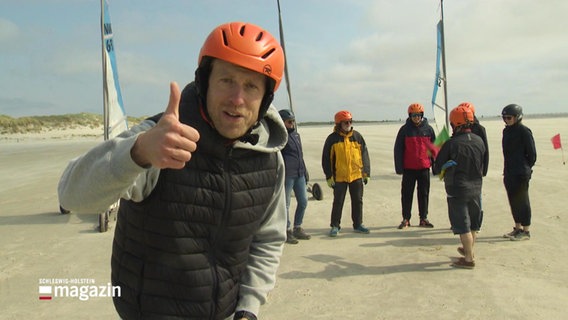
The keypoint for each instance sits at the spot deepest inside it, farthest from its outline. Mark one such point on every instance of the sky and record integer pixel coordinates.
(371, 57)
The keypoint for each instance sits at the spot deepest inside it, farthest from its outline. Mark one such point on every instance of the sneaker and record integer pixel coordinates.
(334, 231)
(521, 235)
(290, 237)
(299, 233)
(512, 233)
(361, 229)
(424, 223)
(404, 224)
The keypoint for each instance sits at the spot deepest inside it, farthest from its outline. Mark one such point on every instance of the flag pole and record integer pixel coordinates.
(444, 64)
(286, 74)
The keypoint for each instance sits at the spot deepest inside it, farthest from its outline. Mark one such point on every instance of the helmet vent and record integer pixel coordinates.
(266, 55)
(225, 41)
(259, 36)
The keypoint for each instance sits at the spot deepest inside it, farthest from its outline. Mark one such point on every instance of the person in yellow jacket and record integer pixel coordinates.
(346, 165)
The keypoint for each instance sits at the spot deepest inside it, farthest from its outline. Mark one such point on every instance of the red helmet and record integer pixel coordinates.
(460, 116)
(343, 115)
(415, 108)
(468, 105)
(248, 46)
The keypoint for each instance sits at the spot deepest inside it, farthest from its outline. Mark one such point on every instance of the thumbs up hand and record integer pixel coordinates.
(170, 143)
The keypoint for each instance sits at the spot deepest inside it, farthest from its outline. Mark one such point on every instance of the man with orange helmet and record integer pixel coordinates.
(190, 242)
(413, 160)
(479, 130)
(346, 165)
(462, 159)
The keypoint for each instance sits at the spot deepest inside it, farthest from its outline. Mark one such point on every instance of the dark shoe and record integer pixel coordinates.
(512, 233)
(461, 263)
(361, 229)
(299, 233)
(424, 223)
(290, 237)
(521, 235)
(404, 224)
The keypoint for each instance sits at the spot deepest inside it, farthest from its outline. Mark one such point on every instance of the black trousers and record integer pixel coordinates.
(409, 180)
(356, 194)
(518, 194)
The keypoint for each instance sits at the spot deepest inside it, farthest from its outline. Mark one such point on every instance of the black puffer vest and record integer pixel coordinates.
(180, 253)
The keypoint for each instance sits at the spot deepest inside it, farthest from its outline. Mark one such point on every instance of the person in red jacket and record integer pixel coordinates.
(413, 153)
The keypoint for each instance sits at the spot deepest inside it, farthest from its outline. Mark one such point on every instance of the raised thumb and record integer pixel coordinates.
(173, 103)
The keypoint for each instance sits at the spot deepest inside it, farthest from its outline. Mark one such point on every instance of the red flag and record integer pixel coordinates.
(556, 142)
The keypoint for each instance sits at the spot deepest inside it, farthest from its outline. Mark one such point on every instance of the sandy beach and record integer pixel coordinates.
(387, 274)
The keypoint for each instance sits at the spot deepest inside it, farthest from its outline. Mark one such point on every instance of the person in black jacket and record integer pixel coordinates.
(479, 130)
(460, 162)
(296, 178)
(519, 152)
(413, 157)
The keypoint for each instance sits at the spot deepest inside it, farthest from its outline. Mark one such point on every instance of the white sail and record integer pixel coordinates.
(114, 115)
(439, 95)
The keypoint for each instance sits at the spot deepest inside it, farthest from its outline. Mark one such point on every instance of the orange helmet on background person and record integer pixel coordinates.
(460, 116)
(246, 45)
(343, 115)
(468, 105)
(415, 108)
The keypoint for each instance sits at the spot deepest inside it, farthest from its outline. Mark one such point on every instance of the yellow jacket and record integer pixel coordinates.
(345, 156)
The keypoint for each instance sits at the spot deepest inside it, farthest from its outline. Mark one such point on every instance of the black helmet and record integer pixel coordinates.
(286, 114)
(513, 110)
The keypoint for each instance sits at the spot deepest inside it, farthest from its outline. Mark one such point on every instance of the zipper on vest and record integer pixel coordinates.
(226, 211)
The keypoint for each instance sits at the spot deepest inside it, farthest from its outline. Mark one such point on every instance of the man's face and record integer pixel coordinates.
(233, 98)
(416, 118)
(346, 125)
(509, 120)
(290, 123)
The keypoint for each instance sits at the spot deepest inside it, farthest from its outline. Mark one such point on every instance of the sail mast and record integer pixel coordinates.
(281, 29)
(444, 64)
(106, 120)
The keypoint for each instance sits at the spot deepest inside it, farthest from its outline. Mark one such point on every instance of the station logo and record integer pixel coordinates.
(75, 288)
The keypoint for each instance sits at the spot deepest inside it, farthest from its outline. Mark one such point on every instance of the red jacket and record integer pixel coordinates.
(411, 146)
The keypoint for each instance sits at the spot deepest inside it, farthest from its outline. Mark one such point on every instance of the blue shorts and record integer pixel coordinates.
(464, 213)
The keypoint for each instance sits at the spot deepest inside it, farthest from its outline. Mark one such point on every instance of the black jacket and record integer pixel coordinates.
(468, 151)
(479, 130)
(294, 155)
(519, 150)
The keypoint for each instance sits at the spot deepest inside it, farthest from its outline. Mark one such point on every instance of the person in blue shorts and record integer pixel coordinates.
(460, 162)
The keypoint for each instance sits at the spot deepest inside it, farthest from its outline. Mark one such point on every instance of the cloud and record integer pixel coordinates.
(8, 31)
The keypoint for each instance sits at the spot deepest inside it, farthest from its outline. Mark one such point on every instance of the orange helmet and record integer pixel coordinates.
(460, 116)
(468, 105)
(248, 46)
(342, 115)
(415, 108)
